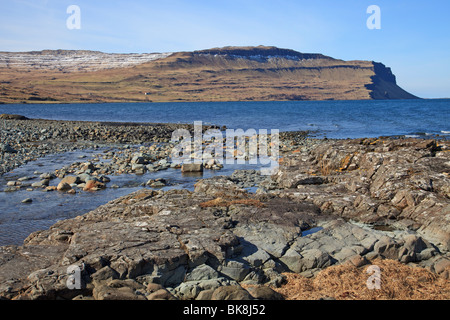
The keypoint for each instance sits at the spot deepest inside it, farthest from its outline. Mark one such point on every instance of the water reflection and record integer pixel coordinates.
(18, 220)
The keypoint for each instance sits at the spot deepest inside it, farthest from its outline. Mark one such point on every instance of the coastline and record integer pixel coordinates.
(33, 138)
(220, 241)
(195, 101)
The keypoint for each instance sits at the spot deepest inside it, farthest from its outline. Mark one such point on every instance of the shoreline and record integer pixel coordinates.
(180, 244)
(203, 101)
(28, 139)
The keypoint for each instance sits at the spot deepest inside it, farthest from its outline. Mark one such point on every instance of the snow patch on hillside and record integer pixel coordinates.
(75, 60)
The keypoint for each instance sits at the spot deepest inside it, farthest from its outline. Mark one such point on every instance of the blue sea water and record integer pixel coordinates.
(333, 119)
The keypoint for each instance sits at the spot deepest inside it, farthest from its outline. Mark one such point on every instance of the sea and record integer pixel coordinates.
(331, 119)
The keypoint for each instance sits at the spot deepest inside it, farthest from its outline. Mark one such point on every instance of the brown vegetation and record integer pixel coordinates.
(347, 282)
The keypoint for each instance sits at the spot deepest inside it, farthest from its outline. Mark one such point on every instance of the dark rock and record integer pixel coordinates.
(12, 117)
(6, 148)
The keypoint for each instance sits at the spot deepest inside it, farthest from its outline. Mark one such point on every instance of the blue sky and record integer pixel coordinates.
(414, 39)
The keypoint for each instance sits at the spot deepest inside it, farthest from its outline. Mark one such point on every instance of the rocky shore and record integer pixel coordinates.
(347, 204)
(23, 140)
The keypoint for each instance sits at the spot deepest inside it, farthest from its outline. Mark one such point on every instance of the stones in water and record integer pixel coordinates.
(192, 167)
(63, 186)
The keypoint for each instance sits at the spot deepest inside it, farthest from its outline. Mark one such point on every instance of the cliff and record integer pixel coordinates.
(219, 74)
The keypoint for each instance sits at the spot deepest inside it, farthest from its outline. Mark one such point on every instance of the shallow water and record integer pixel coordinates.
(18, 220)
(311, 231)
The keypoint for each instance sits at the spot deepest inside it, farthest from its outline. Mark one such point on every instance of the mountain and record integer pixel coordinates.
(218, 74)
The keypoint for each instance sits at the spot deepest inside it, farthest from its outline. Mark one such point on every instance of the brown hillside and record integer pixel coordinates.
(220, 74)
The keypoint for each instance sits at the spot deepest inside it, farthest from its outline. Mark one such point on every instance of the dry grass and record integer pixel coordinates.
(345, 282)
(325, 169)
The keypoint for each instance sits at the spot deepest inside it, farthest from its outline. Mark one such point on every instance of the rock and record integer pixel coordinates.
(42, 183)
(306, 180)
(415, 243)
(188, 290)
(93, 185)
(162, 162)
(264, 293)
(106, 273)
(234, 270)
(119, 283)
(104, 292)
(192, 167)
(47, 176)
(157, 183)
(138, 160)
(28, 200)
(441, 265)
(84, 298)
(11, 189)
(161, 294)
(205, 294)
(71, 180)
(6, 148)
(387, 248)
(104, 179)
(153, 287)
(62, 186)
(293, 260)
(235, 292)
(88, 166)
(315, 258)
(202, 272)
(85, 177)
(5, 116)
(267, 236)
(137, 166)
(357, 261)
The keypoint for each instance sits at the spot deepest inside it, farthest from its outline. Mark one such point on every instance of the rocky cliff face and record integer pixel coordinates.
(219, 74)
(261, 53)
(384, 84)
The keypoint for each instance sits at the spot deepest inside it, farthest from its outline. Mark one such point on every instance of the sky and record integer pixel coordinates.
(413, 39)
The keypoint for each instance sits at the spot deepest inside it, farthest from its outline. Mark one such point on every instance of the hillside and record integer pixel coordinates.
(218, 74)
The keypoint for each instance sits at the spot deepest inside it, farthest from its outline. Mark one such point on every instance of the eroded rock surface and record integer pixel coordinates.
(319, 210)
(401, 183)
